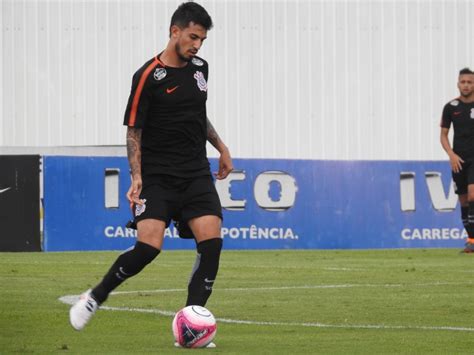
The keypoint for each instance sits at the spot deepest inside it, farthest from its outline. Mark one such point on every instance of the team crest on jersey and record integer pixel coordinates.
(454, 102)
(197, 62)
(139, 209)
(159, 73)
(201, 81)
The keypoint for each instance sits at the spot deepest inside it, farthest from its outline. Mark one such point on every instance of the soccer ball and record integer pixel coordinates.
(194, 327)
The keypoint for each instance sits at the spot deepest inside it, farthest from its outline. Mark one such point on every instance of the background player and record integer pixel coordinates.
(167, 130)
(460, 113)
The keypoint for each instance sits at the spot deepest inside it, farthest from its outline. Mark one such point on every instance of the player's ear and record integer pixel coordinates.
(175, 31)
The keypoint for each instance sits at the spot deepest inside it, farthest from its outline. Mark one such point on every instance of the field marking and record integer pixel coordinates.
(71, 299)
(341, 269)
(276, 288)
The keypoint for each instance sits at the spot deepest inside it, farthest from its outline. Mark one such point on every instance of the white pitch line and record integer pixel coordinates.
(340, 269)
(300, 287)
(71, 299)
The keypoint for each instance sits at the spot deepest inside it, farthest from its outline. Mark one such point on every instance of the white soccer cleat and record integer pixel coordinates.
(211, 345)
(81, 313)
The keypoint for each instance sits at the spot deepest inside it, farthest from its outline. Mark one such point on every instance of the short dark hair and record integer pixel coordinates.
(191, 12)
(466, 70)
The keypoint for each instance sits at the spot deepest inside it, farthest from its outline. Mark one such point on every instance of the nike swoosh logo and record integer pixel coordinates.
(207, 280)
(457, 113)
(170, 90)
(123, 272)
(5, 190)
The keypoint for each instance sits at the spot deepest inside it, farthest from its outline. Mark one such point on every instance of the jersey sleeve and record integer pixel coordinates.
(446, 117)
(140, 97)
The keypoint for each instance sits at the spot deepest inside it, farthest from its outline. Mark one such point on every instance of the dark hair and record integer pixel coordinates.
(191, 12)
(464, 71)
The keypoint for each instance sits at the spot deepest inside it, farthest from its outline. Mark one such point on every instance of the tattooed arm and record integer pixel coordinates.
(214, 138)
(134, 153)
(225, 161)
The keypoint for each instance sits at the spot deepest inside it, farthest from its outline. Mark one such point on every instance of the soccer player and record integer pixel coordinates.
(167, 130)
(460, 113)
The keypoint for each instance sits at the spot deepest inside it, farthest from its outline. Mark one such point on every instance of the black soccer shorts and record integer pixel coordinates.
(464, 178)
(179, 199)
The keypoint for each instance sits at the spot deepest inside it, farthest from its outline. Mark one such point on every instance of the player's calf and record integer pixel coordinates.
(467, 213)
(204, 272)
(128, 264)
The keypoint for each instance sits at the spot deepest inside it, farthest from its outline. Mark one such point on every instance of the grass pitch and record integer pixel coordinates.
(269, 302)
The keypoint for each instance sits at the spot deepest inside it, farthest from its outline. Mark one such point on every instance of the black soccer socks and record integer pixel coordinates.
(470, 220)
(128, 264)
(464, 213)
(204, 272)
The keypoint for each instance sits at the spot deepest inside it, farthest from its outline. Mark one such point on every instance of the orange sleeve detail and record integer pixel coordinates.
(138, 91)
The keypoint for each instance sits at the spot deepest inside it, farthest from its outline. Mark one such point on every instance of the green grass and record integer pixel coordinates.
(408, 289)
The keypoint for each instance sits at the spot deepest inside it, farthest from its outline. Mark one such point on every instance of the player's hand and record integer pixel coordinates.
(456, 162)
(133, 194)
(225, 165)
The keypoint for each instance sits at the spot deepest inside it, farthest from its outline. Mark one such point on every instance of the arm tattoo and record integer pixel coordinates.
(212, 135)
(134, 150)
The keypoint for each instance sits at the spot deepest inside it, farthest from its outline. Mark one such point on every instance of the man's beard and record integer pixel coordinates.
(181, 56)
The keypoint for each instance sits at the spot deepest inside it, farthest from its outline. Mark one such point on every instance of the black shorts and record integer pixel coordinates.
(464, 178)
(179, 199)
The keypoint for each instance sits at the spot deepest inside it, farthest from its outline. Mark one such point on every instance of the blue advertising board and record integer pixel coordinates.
(269, 204)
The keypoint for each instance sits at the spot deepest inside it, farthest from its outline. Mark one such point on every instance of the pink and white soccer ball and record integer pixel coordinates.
(194, 327)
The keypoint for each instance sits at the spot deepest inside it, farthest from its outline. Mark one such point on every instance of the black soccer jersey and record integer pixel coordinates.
(169, 105)
(461, 115)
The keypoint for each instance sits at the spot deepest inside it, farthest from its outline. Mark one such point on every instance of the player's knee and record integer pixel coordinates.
(151, 232)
